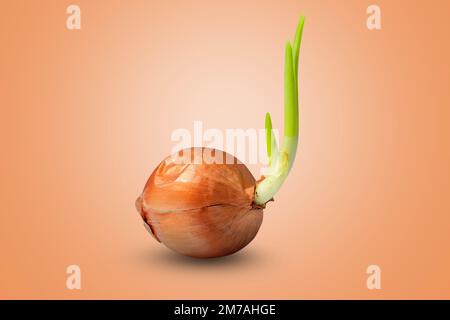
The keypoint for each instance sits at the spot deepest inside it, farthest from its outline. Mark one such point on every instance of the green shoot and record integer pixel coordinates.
(269, 135)
(281, 161)
(271, 143)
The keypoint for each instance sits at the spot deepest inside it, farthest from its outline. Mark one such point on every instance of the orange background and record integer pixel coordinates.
(87, 115)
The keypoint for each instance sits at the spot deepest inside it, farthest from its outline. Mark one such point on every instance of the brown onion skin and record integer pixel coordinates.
(202, 210)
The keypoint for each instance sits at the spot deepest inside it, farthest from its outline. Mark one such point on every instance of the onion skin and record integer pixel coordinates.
(199, 209)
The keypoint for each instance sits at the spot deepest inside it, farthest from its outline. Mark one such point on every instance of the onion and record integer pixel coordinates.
(201, 210)
(200, 204)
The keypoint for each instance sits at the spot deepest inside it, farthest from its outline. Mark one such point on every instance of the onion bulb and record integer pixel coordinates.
(205, 203)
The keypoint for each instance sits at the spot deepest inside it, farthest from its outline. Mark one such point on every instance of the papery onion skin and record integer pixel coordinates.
(202, 210)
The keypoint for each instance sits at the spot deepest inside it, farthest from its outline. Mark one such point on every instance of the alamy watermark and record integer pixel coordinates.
(373, 21)
(73, 21)
(228, 146)
(73, 281)
(373, 281)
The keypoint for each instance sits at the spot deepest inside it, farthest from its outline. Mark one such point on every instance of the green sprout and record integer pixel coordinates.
(280, 161)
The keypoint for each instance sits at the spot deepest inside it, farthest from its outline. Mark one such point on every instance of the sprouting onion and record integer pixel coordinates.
(215, 208)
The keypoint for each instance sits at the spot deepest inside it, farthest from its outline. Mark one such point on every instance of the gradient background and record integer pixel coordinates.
(87, 115)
